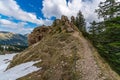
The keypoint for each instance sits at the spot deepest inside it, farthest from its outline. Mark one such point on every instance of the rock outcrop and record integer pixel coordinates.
(37, 34)
(59, 25)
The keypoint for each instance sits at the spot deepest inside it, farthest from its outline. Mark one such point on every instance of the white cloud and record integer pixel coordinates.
(12, 9)
(52, 8)
(61, 7)
(118, 0)
(7, 25)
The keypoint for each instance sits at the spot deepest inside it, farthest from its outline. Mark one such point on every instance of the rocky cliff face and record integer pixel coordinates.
(64, 53)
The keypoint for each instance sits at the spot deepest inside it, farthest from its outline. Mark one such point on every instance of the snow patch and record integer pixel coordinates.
(5, 61)
(17, 71)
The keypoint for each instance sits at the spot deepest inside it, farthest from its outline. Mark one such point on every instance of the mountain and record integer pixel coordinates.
(62, 53)
(26, 35)
(11, 42)
(8, 38)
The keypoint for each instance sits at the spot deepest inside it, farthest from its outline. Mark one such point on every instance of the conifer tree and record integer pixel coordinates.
(108, 9)
(106, 33)
(92, 30)
(80, 22)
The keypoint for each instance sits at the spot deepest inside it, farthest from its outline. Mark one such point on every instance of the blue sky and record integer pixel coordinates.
(22, 16)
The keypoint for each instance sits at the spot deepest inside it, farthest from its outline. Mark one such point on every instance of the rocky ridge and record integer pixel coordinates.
(64, 53)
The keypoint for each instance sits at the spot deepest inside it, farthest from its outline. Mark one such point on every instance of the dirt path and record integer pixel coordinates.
(90, 68)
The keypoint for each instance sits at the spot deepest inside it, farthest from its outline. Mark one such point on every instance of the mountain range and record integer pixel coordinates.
(9, 38)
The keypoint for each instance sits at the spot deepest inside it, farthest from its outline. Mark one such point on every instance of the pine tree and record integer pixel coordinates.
(108, 9)
(92, 30)
(80, 22)
(107, 33)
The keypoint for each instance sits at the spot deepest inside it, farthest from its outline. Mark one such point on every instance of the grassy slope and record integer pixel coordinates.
(59, 53)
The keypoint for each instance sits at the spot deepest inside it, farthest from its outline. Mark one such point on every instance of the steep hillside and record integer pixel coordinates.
(8, 38)
(64, 53)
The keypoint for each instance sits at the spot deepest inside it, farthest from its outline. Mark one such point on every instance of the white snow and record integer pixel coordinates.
(17, 71)
(5, 60)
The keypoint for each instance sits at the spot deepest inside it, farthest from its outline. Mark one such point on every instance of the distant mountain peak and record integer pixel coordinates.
(10, 38)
